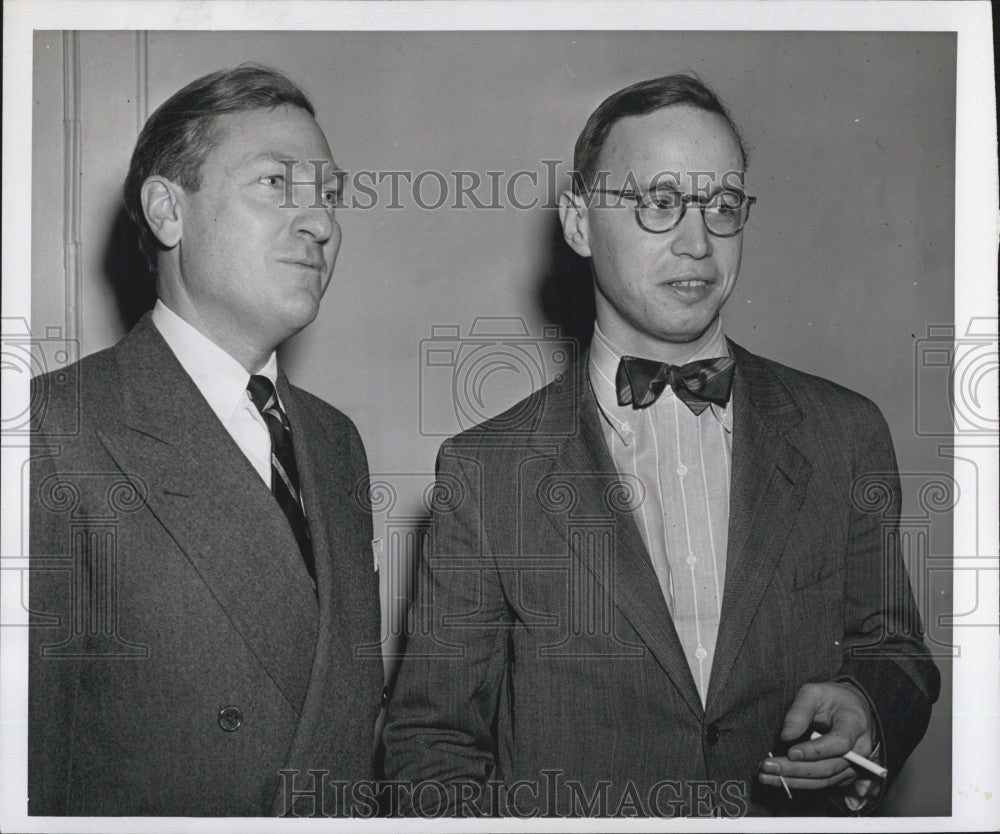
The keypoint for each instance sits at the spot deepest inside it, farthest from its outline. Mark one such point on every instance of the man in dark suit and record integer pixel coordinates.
(649, 584)
(202, 576)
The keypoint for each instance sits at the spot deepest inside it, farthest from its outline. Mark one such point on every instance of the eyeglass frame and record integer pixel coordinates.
(686, 199)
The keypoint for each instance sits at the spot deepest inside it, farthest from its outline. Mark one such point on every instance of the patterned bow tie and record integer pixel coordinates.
(696, 384)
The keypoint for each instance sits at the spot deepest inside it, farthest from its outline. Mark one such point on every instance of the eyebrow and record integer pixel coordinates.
(677, 190)
(334, 173)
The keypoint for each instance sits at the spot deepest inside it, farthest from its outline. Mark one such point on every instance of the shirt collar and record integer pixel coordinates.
(220, 378)
(604, 358)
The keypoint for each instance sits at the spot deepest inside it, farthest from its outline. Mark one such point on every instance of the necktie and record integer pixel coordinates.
(696, 384)
(284, 474)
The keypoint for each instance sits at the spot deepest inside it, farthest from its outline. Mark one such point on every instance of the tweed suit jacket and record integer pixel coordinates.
(179, 656)
(542, 654)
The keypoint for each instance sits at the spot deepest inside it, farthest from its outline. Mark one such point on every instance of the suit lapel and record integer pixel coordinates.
(348, 615)
(634, 588)
(213, 504)
(769, 477)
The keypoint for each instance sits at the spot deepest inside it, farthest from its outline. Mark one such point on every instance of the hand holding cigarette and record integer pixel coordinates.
(822, 761)
(860, 761)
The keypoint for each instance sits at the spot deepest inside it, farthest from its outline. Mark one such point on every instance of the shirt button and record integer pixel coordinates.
(692, 560)
(230, 719)
(682, 470)
(700, 653)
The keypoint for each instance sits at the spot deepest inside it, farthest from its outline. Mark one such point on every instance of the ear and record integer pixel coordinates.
(575, 222)
(162, 201)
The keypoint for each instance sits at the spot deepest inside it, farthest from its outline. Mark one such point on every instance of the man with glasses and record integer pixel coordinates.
(656, 581)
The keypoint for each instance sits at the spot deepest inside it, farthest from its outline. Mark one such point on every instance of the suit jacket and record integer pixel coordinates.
(179, 656)
(542, 650)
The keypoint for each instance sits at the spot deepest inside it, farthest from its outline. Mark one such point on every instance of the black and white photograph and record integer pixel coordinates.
(541, 416)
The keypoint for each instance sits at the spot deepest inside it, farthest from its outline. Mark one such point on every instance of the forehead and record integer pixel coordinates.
(678, 138)
(284, 132)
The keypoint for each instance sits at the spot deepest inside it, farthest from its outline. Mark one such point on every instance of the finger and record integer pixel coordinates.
(823, 769)
(800, 715)
(795, 783)
(828, 746)
(853, 725)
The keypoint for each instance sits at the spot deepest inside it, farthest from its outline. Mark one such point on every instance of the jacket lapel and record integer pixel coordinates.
(348, 606)
(210, 500)
(769, 477)
(631, 582)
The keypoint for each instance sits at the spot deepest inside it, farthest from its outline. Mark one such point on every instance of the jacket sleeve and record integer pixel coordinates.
(443, 710)
(884, 653)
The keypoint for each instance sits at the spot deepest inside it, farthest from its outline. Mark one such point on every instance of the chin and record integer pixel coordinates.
(679, 329)
(296, 317)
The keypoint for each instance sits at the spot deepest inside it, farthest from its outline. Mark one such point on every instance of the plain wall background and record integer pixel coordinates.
(848, 256)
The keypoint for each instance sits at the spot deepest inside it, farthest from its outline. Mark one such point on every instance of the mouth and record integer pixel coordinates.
(304, 263)
(690, 283)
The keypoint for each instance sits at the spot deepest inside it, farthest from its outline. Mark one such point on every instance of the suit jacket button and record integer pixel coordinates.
(230, 719)
(712, 733)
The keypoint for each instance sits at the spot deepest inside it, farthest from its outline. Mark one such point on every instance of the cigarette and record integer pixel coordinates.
(860, 761)
(784, 784)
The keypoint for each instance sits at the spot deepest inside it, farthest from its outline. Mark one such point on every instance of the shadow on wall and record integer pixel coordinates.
(565, 292)
(127, 271)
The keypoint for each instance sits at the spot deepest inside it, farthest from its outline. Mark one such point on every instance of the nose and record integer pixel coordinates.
(691, 237)
(318, 223)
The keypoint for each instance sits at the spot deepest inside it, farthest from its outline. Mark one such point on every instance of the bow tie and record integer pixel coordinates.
(696, 384)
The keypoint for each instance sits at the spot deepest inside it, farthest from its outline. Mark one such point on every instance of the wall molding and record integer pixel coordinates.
(141, 79)
(72, 175)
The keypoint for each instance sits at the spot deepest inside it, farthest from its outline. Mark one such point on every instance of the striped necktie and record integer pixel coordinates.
(284, 474)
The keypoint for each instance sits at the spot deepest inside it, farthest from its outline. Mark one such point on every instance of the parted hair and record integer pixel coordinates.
(180, 134)
(641, 99)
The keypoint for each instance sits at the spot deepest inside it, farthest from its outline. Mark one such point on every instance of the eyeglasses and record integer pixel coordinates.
(725, 212)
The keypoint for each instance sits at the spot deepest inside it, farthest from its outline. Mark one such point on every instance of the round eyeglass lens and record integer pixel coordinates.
(726, 213)
(662, 210)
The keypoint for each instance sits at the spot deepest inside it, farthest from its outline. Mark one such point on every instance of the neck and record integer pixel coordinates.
(251, 356)
(633, 343)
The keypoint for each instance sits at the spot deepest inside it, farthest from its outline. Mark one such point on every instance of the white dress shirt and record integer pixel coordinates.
(223, 383)
(683, 461)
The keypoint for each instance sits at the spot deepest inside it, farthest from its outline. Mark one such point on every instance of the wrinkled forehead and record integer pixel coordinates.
(680, 146)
